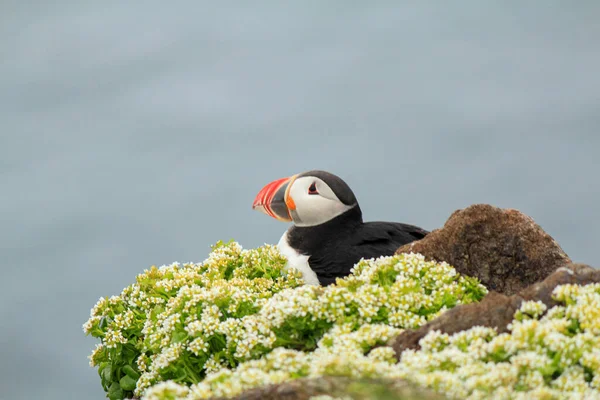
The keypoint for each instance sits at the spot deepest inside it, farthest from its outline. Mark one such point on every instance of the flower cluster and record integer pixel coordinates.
(556, 355)
(184, 323)
(547, 354)
(196, 333)
(138, 338)
(340, 352)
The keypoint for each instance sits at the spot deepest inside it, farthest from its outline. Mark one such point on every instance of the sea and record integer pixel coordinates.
(137, 134)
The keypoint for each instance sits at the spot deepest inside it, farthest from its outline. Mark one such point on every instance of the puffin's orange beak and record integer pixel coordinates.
(274, 199)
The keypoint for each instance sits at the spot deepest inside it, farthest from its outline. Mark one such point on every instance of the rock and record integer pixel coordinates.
(496, 310)
(338, 386)
(504, 248)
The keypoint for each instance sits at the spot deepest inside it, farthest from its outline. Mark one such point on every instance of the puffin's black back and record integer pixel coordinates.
(335, 246)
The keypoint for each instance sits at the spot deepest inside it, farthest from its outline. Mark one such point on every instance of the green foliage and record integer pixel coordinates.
(123, 322)
(180, 323)
(545, 355)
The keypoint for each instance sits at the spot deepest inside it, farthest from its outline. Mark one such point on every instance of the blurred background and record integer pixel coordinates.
(136, 135)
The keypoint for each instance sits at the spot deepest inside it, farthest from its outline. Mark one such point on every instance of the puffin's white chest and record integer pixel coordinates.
(297, 261)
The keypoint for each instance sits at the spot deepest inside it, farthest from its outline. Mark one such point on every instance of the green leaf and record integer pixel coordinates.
(179, 336)
(157, 311)
(102, 366)
(106, 373)
(128, 369)
(103, 323)
(127, 383)
(115, 392)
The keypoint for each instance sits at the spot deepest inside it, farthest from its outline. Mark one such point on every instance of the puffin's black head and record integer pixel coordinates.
(308, 199)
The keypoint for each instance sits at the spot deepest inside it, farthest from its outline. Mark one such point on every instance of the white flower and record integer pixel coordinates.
(166, 390)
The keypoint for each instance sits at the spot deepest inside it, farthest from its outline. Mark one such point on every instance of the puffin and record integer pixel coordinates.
(328, 235)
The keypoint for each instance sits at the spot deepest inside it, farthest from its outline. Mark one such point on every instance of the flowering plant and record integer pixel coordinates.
(178, 324)
(554, 356)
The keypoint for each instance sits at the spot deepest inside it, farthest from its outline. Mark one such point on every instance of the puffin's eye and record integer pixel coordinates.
(313, 189)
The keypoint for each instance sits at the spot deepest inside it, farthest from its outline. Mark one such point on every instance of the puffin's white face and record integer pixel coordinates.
(306, 199)
(313, 201)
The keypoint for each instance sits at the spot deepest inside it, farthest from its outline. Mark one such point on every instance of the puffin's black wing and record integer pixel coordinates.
(371, 240)
(376, 239)
(387, 234)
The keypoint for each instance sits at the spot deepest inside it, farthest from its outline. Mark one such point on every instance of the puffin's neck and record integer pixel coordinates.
(307, 238)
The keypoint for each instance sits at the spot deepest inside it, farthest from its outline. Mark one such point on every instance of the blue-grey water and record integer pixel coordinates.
(138, 134)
